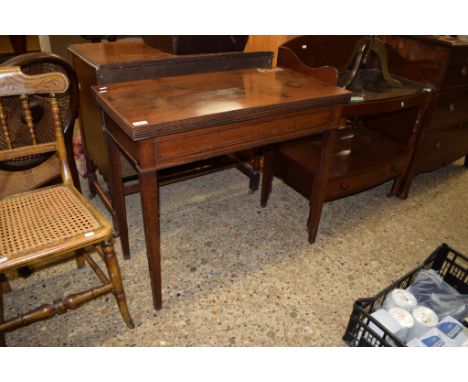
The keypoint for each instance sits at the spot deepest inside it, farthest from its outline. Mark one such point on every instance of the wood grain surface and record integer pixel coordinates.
(159, 106)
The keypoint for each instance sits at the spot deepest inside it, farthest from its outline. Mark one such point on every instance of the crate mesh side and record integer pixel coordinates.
(451, 265)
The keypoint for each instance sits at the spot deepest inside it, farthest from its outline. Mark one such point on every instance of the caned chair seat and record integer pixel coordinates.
(45, 222)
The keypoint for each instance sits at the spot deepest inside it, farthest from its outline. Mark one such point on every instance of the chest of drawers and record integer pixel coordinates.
(441, 62)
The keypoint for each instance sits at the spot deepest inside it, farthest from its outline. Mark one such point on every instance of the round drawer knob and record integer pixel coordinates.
(344, 186)
(437, 145)
(464, 71)
(452, 107)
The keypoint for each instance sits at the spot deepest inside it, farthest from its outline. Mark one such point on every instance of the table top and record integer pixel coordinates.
(159, 106)
(125, 54)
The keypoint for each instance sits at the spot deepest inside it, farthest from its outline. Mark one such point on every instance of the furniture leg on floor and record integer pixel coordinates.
(317, 195)
(2, 334)
(114, 274)
(149, 196)
(267, 178)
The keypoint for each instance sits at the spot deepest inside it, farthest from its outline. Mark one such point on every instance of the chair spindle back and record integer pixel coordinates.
(13, 82)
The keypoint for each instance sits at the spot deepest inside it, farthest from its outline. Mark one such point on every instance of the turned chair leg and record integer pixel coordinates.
(80, 259)
(2, 334)
(114, 274)
(4, 285)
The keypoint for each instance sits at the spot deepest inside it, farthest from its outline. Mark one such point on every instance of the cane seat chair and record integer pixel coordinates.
(27, 173)
(42, 225)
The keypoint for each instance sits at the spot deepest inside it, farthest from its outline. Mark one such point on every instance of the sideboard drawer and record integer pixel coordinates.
(338, 187)
(451, 108)
(457, 70)
(443, 146)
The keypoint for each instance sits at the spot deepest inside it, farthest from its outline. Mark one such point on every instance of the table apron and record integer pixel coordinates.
(188, 146)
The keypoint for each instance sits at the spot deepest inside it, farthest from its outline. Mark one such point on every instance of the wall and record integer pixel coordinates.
(268, 43)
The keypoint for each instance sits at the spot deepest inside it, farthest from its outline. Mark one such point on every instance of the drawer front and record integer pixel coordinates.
(439, 147)
(457, 70)
(451, 109)
(207, 142)
(339, 187)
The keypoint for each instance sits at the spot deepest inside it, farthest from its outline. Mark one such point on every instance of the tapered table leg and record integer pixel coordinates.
(267, 178)
(319, 184)
(117, 194)
(254, 180)
(149, 195)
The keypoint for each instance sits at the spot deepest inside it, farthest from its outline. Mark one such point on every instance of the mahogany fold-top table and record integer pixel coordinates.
(169, 121)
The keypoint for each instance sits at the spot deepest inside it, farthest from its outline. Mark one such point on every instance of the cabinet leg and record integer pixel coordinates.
(405, 187)
(254, 180)
(319, 184)
(396, 186)
(267, 178)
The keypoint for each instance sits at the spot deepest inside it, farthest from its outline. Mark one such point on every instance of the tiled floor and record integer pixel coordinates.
(236, 274)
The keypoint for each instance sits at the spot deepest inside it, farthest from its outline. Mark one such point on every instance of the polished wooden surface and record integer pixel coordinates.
(416, 59)
(114, 61)
(318, 51)
(451, 108)
(121, 54)
(452, 41)
(165, 105)
(200, 116)
(114, 55)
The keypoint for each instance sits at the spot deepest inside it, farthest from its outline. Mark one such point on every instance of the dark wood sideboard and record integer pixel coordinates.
(442, 62)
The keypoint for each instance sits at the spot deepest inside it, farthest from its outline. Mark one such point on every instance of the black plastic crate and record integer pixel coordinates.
(451, 265)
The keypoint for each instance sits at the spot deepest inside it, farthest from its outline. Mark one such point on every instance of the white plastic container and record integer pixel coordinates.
(424, 320)
(400, 298)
